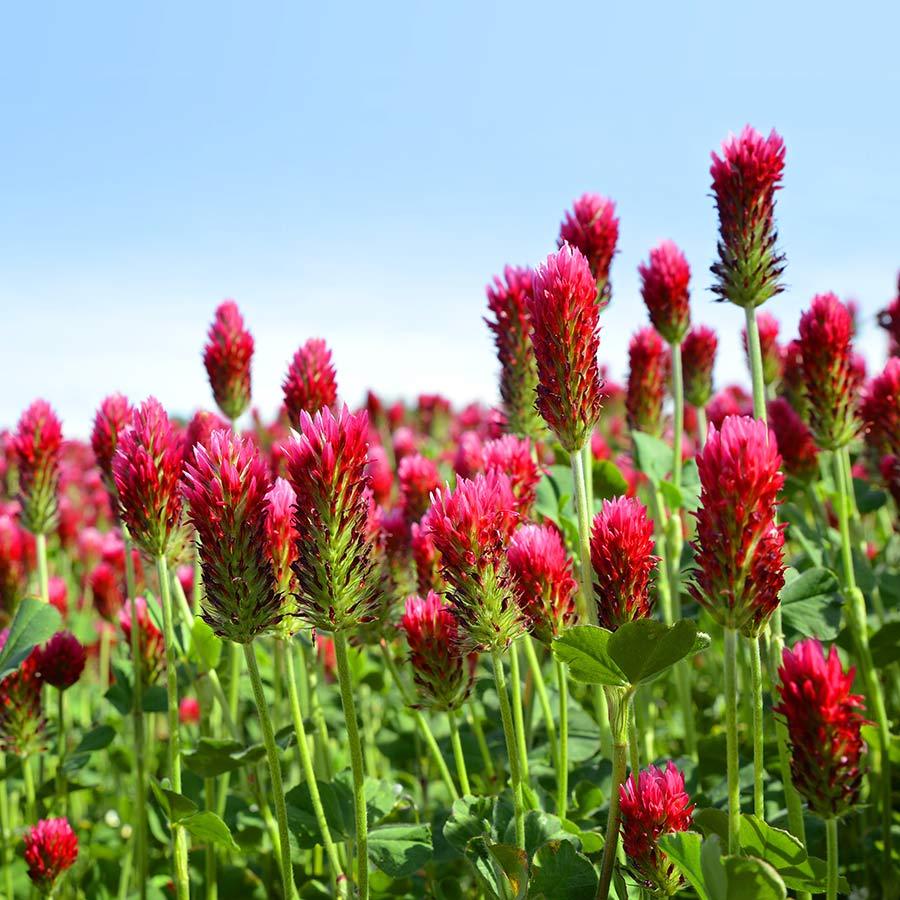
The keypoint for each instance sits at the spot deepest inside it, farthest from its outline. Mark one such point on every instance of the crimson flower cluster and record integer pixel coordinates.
(824, 723)
(281, 535)
(593, 228)
(418, 476)
(744, 181)
(512, 456)
(61, 660)
(14, 554)
(881, 412)
(665, 287)
(227, 358)
(795, 441)
(698, 357)
(311, 381)
(112, 418)
(648, 376)
(199, 429)
(51, 847)
(739, 547)
(36, 445)
(21, 717)
(152, 643)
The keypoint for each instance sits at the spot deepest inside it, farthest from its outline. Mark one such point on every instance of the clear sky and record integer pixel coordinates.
(359, 171)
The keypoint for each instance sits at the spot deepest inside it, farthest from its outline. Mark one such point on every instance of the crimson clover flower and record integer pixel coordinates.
(648, 377)
(36, 448)
(227, 357)
(310, 383)
(51, 847)
(593, 228)
(698, 357)
(665, 287)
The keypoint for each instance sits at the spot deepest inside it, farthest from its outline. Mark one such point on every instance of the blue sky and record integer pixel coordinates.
(359, 172)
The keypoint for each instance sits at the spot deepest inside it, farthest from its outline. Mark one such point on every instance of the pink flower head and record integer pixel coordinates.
(36, 448)
(798, 450)
(199, 429)
(698, 357)
(21, 717)
(281, 534)
(107, 590)
(622, 559)
(61, 660)
(739, 548)
(13, 562)
(889, 320)
(511, 456)
(665, 281)
(831, 379)
(824, 723)
(425, 557)
(648, 377)
(593, 229)
(51, 847)
(227, 357)
(381, 475)
(542, 577)
(881, 409)
(441, 671)
(146, 469)
(327, 468)
(418, 477)
(744, 181)
(471, 527)
(654, 803)
(511, 327)
(188, 711)
(310, 383)
(152, 644)
(566, 340)
(226, 488)
(58, 594)
(730, 401)
(772, 352)
(792, 379)
(113, 417)
(469, 458)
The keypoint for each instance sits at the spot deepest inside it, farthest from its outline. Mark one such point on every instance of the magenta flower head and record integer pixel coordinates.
(281, 534)
(566, 339)
(146, 469)
(739, 547)
(418, 477)
(226, 490)
(441, 671)
(543, 582)
(227, 357)
(771, 350)
(831, 380)
(199, 429)
(153, 651)
(471, 527)
(824, 723)
(889, 320)
(335, 565)
(51, 847)
(113, 417)
(744, 182)
(511, 456)
(13, 563)
(61, 660)
(21, 717)
(799, 453)
(648, 376)
(622, 559)
(654, 803)
(36, 448)
(698, 357)
(593, 229)
(881, 409)
(310, 383)
(665, 281)
(511, 327)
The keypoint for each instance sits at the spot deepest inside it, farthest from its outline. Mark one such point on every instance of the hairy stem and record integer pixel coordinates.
(587, 611)
(619, 702)
(511, 746)
(731, 742)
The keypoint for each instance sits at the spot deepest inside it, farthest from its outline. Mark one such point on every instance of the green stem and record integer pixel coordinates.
(461, 771)
(587, 461)
(475, 724)
(619, 701)
(518, 720)
(702, 426)
(8, 840)
(633, 742)
(105, 636)
(678, 422)
(311, 666)
(587, 611)
(831, 836)
(511, 746)
(30, 797)
(179, 836)
(43, 568)
(731, 742)
(562, 759)
(268, 734)
(209, 791)
(540, 688)
(756, 364)
(759, 797)
(356, 764)
(61, 793)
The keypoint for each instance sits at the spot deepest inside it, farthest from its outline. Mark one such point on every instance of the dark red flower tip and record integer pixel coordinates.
(772, 352)
(227, 357)
(622, 559)
(61, 660)
(739, 548)
(512, 456)
(698, 358)
(544, 585)
(654, 803)
(21, 716)
(824, 727)
(150, 638)
(36, 447)
(831, 377)
(795, 441)
(51, 847)
(418, 476)
(146, 470)
(665, 287)
(881, 409)
(113, 416)
(566, 338)
(592, 228)
(648, 378)
(311, 382)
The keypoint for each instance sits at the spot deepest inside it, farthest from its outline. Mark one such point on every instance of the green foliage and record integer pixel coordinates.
(33, 623)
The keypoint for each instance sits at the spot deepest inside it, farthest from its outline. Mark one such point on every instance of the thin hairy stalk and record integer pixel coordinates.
(511, 746)
(587, 612)
(540, 688)
(759, 798)
(619, 702)
(515, 683)
(461, 771)
(562, 759)
(731, 742)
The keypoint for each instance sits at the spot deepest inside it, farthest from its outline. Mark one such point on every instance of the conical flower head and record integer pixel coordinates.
(566, 339)
(665, 287)
(225, 489)
(654, 803)
(13, 563)
(471, 527)
(199, 429)
(107, 590)
(227, 357)
(622, 559)
(824, 722)
(792, 379)
(281, 534)
(335, 566)
(889, 320)
(51, 847)
(61, 660)
(771, 351)
(310, 383)
(744, 182)
(593, 228)
(881, 409)
(113, 417)
(799, 452)
(739, 547)
(648, 377)
(511, 327)
(146, 470)
(441, 670)
(512, 456)
(831, 379)
(542, 580)
(152, 644)
(698, 358)
(36, 447)
(418, 477)
(21, 716)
